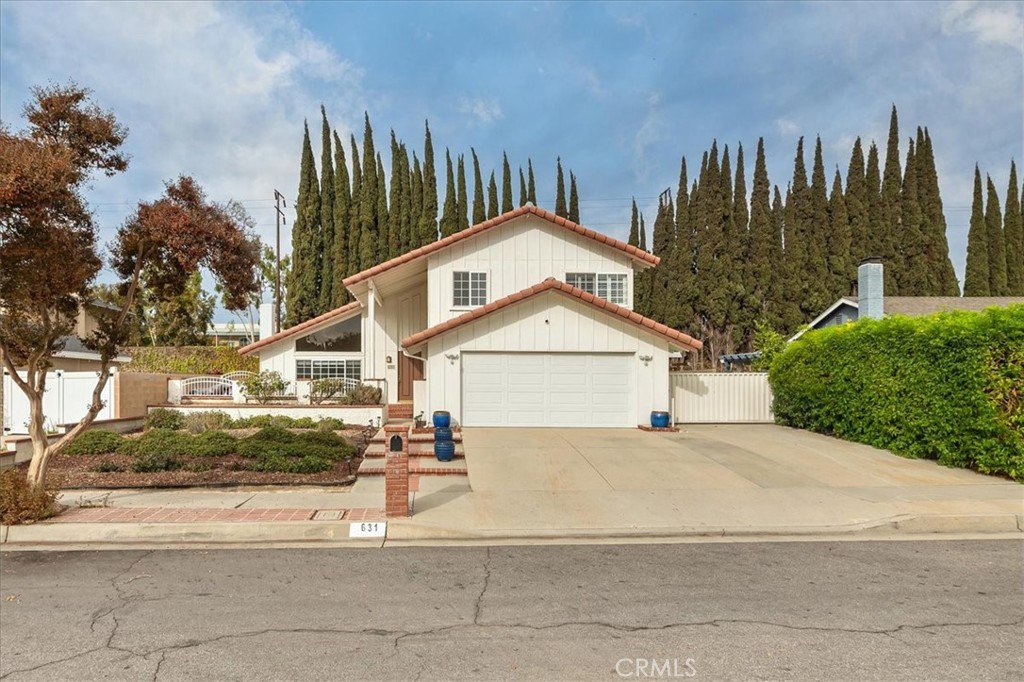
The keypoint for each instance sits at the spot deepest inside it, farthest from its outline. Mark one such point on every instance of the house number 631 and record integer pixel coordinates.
(368, 529)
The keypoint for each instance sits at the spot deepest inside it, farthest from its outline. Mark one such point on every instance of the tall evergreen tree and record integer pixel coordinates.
(325, 241)
(462, 202)
(303, 296)
(368, 234)
(642, 280)
(976, 275)
(479, 207)
(574, 200)
(799, 213)
(913, 268)
(941, 276)
(416, 195)
(680, 283)
(354, 210)
(996, 243)
(662, 239)
(838, 242)
(875, 247)
(523, 194)
(856, 201)
(398, 180)
(561, 209)
(449, 217)
(531, 184)
(428, 216)
(342, 206)
(759, 267)
(892, 185)
(634, 227)
(506, 184)
(408, 226)
(382, 244)
(785, 303)
(492, 198)
(1013, 233)
(816, 229)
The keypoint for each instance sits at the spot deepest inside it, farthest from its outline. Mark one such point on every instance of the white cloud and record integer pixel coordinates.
(787, 126)
(481, 109)
(991, 22)
(215, 91)
(648, 133)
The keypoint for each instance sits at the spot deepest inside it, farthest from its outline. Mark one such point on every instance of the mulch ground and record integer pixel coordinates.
(78, 471)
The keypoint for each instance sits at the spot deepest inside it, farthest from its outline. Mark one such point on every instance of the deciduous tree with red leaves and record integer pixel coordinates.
(50, 253)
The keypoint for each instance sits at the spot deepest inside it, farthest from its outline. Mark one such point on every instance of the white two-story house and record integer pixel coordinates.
(523, 320)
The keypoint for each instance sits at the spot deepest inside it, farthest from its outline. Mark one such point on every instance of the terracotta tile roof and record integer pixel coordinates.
(299, 328)
(634, 252)
(676, 338)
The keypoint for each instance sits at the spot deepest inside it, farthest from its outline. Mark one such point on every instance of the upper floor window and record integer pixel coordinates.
(469, 289)
(344, 337)
(610, 287)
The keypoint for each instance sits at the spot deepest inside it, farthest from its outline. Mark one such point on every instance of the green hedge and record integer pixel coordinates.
(189, 360)
(948, 387)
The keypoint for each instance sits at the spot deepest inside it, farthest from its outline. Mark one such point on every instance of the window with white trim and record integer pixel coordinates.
(329, 369)
(610, 287)
(469, 289)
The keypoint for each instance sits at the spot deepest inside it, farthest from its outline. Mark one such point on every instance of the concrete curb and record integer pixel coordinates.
(403, 531)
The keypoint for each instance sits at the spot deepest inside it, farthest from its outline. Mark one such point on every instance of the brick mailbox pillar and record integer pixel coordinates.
(396, 470)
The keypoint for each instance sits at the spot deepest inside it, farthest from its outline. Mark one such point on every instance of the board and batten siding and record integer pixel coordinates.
(549, 323)
(515, 256)
(400, 316)
(721, 397)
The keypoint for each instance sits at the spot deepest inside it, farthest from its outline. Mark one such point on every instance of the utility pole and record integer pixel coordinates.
(278, 203)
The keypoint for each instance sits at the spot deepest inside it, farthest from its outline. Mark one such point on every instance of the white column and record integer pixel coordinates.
(371, 371)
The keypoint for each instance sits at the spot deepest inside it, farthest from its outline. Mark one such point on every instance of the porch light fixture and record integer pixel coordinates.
(645, 359)
(452, 357)
(388, 359)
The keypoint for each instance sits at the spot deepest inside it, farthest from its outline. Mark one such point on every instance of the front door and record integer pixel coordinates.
(409, 370)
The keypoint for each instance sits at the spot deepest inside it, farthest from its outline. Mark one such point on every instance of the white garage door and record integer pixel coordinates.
(548, 389)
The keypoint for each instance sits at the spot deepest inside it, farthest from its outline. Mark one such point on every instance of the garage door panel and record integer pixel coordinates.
(548, 389)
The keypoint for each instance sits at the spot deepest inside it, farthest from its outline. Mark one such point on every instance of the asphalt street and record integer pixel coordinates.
(924, 610)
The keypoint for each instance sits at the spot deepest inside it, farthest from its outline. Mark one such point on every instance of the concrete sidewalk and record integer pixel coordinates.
(594, 485)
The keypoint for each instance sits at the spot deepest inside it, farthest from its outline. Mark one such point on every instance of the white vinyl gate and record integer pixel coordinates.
(66, 400)
(718, 397)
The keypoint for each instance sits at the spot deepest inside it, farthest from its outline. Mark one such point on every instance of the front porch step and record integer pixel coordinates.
(426, 437)
(400, 411)
(417, 466)
(416, 449)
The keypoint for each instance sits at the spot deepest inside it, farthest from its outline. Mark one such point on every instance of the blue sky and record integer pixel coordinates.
(619, 90)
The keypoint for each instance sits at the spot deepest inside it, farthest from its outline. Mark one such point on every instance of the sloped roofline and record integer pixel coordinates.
(674, 337)
(302, 327)
(634, 252)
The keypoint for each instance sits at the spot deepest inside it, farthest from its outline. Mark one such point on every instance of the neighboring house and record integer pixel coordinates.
(76, 357)
(231, 333)
(871, 302)
(523, 320)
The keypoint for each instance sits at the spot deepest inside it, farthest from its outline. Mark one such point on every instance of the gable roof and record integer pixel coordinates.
(676, 338)
(302, 327)
(632, 251)
(926, 305)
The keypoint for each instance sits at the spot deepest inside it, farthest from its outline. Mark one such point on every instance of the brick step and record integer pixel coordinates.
(417, 465)
(400, 411)
(416, 437)
(379, 450)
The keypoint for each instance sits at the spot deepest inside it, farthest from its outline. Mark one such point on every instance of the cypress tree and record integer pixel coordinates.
(394, 225)
(816, 228)
(382, 242)
(642, 280)
(784, 304)
(976, 275)
(996, 243)
(892, 185)
(342, 204)
(416, 195)
(838, 245)
(407, 225)
(680, 285)
(1013, 232)
(428, 215)
(523, 195)
(368, 234)
(325, 247)
(941, 276)
(759, 267)
(354, 210)
(856, 201)
(492, 198)
(740, 213)
(574, 200)
(634, 227)
(560, 206)
(912, 274)
(506, 184)
(462, 202)
(479, 208)
(798, 212)
(661, 246)
(449, 219)
(531, 195)
(302, 298)
(875, 247)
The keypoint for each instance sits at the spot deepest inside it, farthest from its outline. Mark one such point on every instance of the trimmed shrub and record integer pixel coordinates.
(189, 360)
(153, 462)
(95, 442)
(948, 387)
(213, 444)
(107, 467)
(264, 386)
(310, 464)
(163, 418)
(274, 441)
(199, 422)
(157, 442)
(330, 424)
(20, 503)
(362, 394)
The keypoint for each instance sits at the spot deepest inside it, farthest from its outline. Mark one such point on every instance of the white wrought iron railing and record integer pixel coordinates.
(206, 387)
(240, 375)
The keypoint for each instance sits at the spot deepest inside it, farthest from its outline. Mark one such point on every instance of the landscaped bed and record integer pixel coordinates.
(211, 449)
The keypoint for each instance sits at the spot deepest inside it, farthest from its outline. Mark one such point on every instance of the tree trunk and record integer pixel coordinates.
(41, 450)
